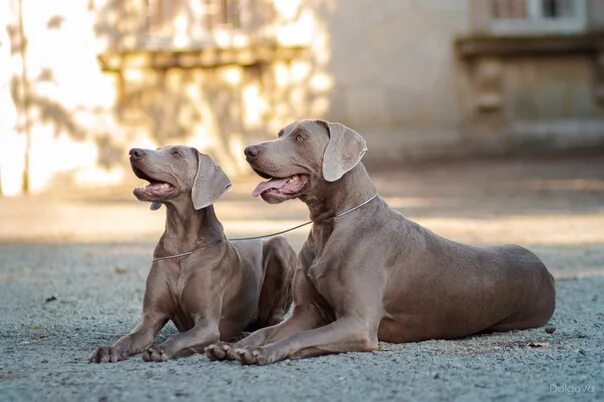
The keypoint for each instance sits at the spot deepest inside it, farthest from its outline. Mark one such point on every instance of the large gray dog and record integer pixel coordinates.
(211, 288)
(366, 273)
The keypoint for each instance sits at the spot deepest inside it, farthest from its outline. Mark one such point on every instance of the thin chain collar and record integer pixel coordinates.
(188, 252)
(333, 218)
(338, 216)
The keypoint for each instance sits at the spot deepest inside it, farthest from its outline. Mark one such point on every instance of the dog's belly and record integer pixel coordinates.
(436, 322)
(402, 328)
(478, 292)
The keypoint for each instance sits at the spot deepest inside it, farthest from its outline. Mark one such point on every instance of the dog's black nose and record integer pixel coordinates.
(136, 153)
(252, 151)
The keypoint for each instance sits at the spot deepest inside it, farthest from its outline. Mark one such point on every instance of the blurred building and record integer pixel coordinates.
(82, 81)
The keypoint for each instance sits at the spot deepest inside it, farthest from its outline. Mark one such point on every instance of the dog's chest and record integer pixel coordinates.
(316, 256)
(315, 273)
(180, 275)
(320, 280)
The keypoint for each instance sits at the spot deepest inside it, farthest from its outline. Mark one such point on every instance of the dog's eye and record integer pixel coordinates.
(176, 154)
(299, 138)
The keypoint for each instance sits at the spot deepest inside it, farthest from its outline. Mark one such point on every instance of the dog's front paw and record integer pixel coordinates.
(257, 355)
(107, 354)
(220, 351)
(156, 353)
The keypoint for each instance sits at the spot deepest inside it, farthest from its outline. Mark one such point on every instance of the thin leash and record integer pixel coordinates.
(334, 218)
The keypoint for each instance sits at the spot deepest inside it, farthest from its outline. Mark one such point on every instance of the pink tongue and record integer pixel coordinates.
(267, 185)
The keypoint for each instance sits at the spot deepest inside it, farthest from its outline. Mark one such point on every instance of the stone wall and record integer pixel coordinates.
(57, 105)
(417, 79)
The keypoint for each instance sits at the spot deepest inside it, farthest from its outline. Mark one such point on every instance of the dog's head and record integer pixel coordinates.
(175, 172)
(305, 154)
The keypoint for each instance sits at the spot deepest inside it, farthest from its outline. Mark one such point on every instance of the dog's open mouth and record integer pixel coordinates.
(286, 186)
(156, 189)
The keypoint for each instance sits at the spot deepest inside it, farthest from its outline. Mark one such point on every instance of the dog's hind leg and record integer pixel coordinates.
(279, 260)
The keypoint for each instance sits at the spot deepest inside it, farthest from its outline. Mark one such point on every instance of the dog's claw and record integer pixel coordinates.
(107, 354)
(155, 353)
(231, 354)
(249, 356)
(219, 351)
(214, 352)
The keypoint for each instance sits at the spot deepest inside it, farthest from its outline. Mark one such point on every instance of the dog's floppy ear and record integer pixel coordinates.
(344, 151)
(210, 182)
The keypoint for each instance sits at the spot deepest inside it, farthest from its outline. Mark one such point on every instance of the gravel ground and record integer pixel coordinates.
(72, 271)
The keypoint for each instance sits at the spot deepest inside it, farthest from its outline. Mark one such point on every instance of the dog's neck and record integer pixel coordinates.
(188, 229)
(328, 199)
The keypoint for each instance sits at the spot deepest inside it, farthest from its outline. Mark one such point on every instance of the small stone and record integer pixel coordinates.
(550, 329)
(50, 299)
(538, 344)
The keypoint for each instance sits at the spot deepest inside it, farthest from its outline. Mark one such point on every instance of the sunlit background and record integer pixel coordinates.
(82, 81)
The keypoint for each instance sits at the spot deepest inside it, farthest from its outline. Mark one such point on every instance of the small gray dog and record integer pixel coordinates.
(367, 273)
(211, 288)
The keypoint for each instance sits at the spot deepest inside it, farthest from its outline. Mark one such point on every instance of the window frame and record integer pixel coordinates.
(208, 29)
(535, 23)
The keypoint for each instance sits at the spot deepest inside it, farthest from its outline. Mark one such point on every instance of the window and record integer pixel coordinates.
(164, 34)
(520, 17)
(180, 23)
